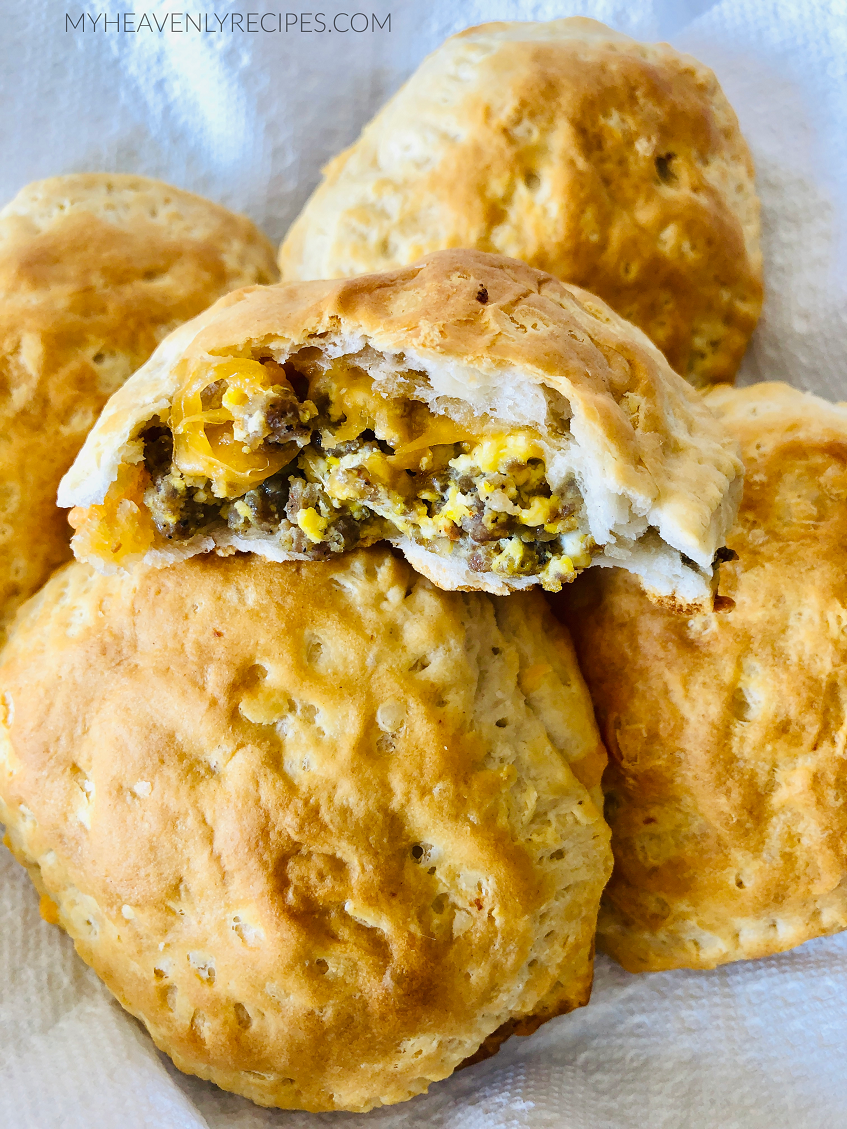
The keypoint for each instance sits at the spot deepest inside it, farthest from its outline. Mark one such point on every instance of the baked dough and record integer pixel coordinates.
(318, 826)
(95, 270)
(501, 427)
(726, 732)
(613, 164)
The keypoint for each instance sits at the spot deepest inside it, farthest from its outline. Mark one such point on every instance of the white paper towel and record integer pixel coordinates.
(248, 119)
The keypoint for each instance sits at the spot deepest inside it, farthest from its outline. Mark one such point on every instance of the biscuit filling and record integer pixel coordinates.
(311, 454)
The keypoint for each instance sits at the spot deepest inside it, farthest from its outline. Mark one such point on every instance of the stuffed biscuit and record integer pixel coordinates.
(323, 828)
(502, 428)
(726, 730)
(95, 270)
(612, 164)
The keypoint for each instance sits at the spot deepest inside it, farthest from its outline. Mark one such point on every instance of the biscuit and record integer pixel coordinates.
(726, 731)
(319, 826)
(612, 164)
(95, 270)
(503, 428)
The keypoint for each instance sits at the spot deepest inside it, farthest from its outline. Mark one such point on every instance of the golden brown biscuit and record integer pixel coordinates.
(612, 164)
(95, 270)
(726, 732)
(314, 824)
(502, 428)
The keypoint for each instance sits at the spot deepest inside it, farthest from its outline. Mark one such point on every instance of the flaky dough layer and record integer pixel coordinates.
(95, 269)
(612, 164)
(323, 828)
(726, 732)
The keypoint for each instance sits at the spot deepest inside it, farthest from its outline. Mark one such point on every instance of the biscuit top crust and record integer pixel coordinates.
(534, 350)
(726, 731)
(128, 203)
(95, 269)
(615, 165)
(314, 824)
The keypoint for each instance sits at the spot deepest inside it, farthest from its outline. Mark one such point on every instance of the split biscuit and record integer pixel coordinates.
(502, 428)
(95, 269)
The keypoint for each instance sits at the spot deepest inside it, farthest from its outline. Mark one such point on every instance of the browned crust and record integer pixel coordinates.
(726, 731)
(220, 773)
(615, 165)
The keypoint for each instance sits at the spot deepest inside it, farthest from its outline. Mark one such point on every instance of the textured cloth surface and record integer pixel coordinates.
(248, 121)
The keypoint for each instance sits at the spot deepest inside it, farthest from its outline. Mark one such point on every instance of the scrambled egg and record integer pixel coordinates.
(312, 524)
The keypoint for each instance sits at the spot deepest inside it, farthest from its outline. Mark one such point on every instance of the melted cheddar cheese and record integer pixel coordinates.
(209, 443)
(120, 528)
